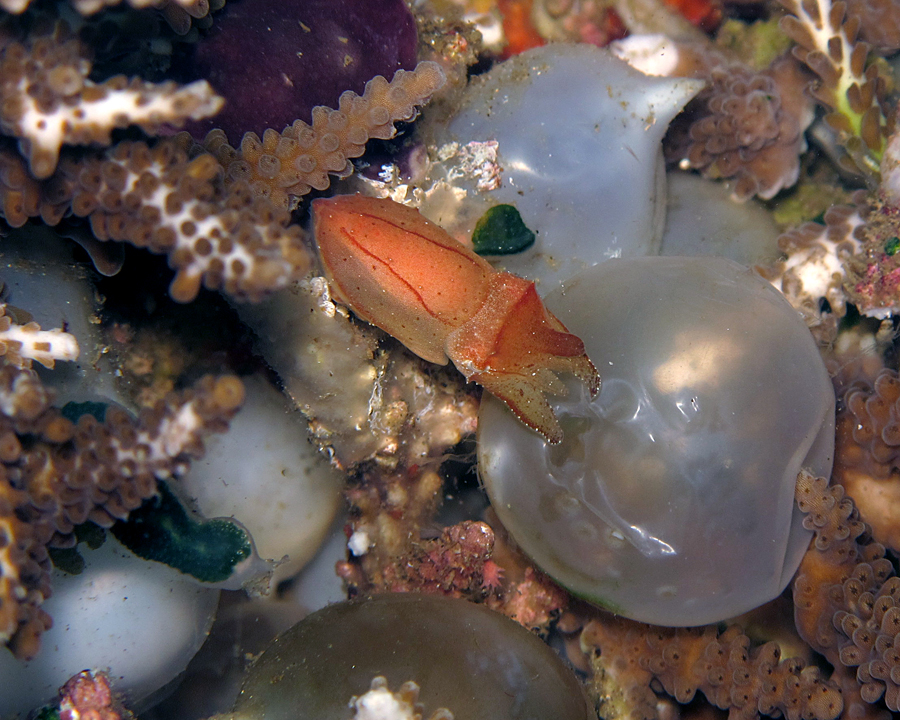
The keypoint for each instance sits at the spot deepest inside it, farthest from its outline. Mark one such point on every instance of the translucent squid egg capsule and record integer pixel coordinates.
(671, 497)
(461, 657)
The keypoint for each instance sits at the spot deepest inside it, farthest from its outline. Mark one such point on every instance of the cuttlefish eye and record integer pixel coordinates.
(671, 497)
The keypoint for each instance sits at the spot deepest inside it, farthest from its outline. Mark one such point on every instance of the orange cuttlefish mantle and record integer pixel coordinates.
(409, 277)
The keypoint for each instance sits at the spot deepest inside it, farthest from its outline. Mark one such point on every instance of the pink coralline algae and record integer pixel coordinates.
(274, 61)
(878, 283)
(873, 273)
(88, 696)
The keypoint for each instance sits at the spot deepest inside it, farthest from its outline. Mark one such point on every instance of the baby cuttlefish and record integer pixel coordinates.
(409, 277)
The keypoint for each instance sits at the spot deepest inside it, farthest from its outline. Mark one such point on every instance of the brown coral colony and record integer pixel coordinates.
(221, 218)
(56, 475)
(221, 215)
(284, 166)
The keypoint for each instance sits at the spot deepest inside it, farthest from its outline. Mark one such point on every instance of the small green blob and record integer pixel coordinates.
(162, 530)
(892, 246)
(500, 231)
(757, 44)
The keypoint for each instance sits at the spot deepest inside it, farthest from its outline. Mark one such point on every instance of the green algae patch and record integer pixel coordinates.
(501, 231)
(758, 44)
(162, 530)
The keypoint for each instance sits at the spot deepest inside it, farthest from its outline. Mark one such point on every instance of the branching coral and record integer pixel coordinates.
(22, 196)
(48, 100)
(853, 91)
(750, 129)
(869, 426)
(868, 451)
(847, 597)
(628, 657)
(749, 125)
(221, 233)
(21, 344)
(284, 166)
(746, 125)
(55, 474)
(813, 268)
(852, 257)
(879, 23)
(218, 228)
(160, 199)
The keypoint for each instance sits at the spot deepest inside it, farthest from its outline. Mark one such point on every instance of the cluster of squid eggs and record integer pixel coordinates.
(670, 498)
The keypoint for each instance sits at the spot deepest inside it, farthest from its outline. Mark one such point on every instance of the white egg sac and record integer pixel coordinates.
(578, 137)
